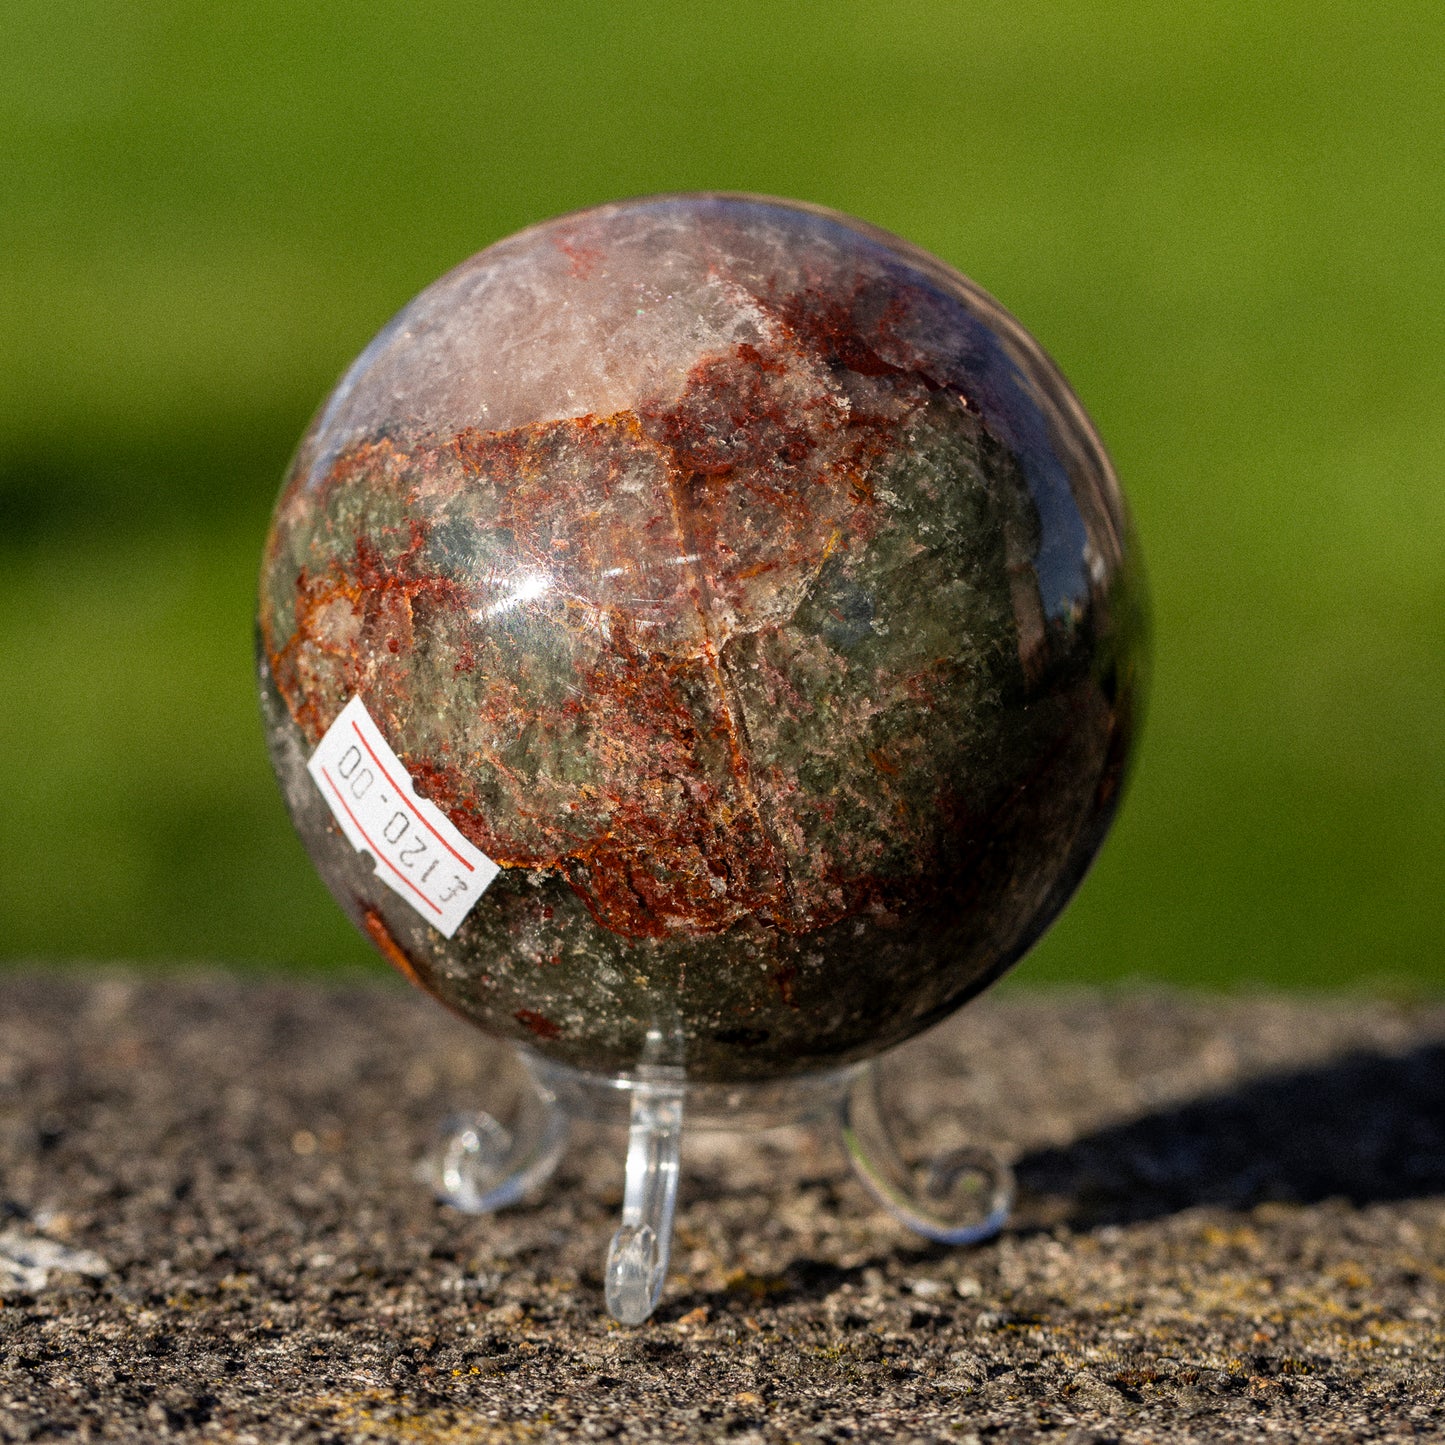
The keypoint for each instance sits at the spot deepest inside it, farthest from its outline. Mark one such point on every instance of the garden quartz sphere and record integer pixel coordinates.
(751, 588)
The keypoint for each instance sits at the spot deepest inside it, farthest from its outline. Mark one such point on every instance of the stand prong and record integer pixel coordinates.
(963, 1197)
(638, 1256)
(481, 1165)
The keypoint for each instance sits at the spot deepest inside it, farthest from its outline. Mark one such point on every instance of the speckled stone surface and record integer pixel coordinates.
(752, 588)
(1232, 1229)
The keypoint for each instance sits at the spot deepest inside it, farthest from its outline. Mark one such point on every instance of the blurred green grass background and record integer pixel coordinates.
(1225, 220)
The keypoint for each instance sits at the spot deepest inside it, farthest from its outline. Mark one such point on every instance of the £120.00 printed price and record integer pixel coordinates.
(418, 851)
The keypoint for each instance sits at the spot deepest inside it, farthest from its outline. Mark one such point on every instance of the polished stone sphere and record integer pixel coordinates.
(751, 589)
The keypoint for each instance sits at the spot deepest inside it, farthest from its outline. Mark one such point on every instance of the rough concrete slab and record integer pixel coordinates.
(1233, 1228)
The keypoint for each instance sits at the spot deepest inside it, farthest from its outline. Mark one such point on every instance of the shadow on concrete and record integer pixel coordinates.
(1366, 1128)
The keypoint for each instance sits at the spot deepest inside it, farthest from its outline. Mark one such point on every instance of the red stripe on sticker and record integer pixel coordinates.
(402, 793)
(375, 851)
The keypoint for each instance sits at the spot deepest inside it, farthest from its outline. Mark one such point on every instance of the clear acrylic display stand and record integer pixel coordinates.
(484, 1163)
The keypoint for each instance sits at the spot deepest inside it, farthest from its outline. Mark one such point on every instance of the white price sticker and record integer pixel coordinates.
(417, 850)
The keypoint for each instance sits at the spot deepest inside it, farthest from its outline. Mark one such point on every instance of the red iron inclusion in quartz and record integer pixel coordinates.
(752, 588)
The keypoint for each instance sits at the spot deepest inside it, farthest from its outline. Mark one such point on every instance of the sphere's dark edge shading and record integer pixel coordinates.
(794, 692)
